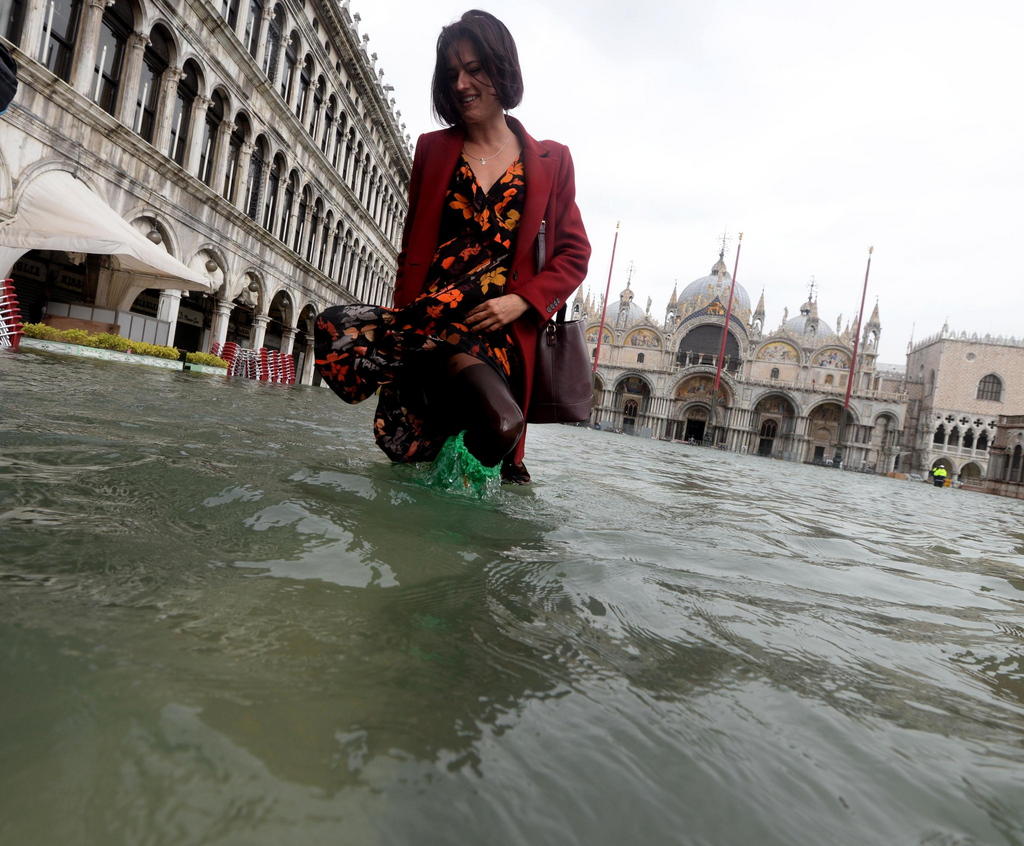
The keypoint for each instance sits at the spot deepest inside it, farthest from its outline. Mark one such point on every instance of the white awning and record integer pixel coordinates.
(59, 212)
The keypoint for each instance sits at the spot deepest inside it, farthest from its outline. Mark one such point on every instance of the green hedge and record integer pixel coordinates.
(106, 341)
(209, 359)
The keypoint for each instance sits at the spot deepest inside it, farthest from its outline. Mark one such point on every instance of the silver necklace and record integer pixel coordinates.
(485, 159)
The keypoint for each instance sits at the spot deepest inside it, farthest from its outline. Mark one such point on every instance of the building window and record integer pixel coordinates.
(273, 186)
(63, 18)
(214, 118)
(291, 59)
(252, 26)
(188, 90)
(990, 388)
(118, 23)
(254, 181)
(775, 373)
(155, 61)
(982, 441)
(274, 32)
(940, 435)
(229, 11)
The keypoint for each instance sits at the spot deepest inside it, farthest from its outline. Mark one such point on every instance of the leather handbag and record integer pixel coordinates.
(562, 389)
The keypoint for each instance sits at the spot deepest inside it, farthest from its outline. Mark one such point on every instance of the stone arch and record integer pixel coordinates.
(826, 420)
(33, 171)
(971, 471)
(146, 220)
(700, 344)
(778, 409)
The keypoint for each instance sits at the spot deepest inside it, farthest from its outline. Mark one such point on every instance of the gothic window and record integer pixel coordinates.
(155, 60)
(188, 90)
(214, 118)
(982, 441)
(775, 373)
(62, 16)
(630, 409)
(118, 23)
(769, 429)
(940, 435)
(969, 439)
(954, 436)
(990, 388)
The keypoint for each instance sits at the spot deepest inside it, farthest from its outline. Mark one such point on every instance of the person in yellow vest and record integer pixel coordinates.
(939, 475)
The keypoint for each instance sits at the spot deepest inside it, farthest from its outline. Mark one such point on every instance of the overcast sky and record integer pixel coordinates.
(816, 128)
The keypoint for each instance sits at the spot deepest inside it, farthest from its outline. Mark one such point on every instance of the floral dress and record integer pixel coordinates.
(402, 352)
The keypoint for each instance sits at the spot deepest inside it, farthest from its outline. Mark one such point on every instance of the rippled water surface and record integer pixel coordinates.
(225, 618)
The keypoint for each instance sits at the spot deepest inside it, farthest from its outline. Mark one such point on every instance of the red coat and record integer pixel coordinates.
(550, 196)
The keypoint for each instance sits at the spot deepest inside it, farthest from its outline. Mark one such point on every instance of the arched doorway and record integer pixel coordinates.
(970, 473)
(632, 396)
(280, 316)
(824, 430)
(697, 409)
(773, 421)
(766, 437)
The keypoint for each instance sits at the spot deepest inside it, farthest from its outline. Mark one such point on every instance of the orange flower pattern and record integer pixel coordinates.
(361, 349)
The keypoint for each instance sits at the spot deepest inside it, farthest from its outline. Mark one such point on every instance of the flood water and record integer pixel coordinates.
(225, 618)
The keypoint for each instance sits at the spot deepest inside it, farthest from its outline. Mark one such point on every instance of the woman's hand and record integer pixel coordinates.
(497, 312)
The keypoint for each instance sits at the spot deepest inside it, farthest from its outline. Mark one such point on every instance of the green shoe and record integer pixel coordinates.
(456, 468)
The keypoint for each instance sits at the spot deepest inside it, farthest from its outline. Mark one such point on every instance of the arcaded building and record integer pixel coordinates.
(959, 386)
(255, 143)
(782, 389)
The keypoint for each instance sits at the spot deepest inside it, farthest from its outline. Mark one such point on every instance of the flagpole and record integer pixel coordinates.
(604, 306)
(856, 337)
(728, 314)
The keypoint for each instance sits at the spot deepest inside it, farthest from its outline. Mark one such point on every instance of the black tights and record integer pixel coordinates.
(481, 403)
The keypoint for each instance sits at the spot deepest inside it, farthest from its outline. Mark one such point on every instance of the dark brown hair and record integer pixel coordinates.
(498, 57)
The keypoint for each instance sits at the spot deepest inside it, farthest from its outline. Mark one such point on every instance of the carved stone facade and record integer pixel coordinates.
(256, 142)
(959, 385)
(781, 392)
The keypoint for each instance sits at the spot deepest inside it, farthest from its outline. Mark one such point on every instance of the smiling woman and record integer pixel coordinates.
(486, 262)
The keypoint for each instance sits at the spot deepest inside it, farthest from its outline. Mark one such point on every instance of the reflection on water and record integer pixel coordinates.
(225, 618)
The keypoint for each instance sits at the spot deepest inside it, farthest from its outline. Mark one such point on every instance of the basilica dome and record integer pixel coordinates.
(702, 291)
(806, 324)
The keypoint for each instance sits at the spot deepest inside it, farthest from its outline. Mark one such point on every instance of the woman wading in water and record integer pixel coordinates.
(493, 246)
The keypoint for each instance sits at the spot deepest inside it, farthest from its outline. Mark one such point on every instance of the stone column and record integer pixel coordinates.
(243, 19)
(261, 37)
(287, 340)
(128, 95)
(259, 330)
(219, 325)
(83, 63)
(167, 309)
(165, 108)
(305, 231)
(306, 377)
(30, 43)
(293, 86)
(220, 156)
(278, 68)
(196, 123)
(241, 172)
